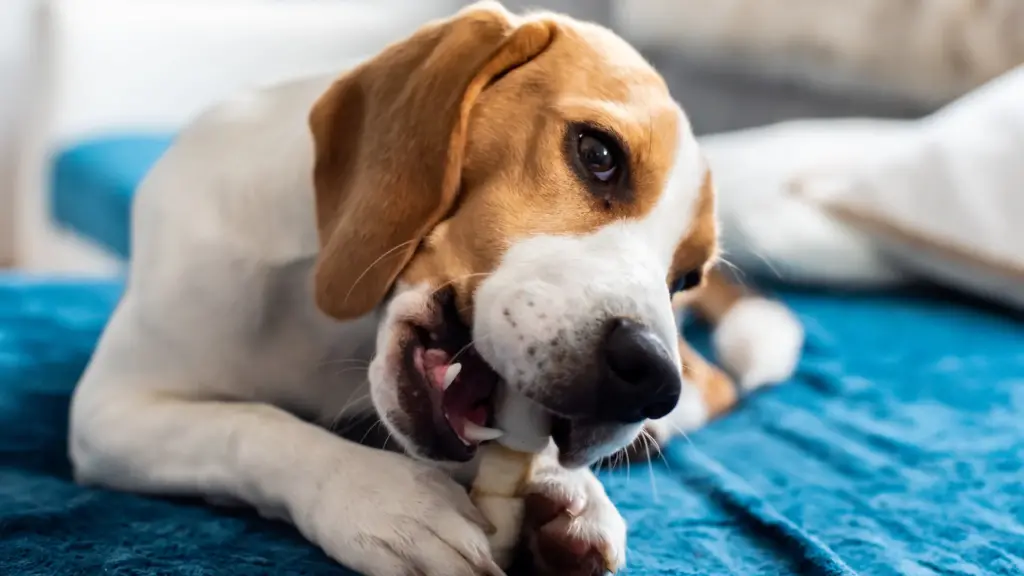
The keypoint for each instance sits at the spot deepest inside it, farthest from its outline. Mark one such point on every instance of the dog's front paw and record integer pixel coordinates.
(571, 527)
(394, 517)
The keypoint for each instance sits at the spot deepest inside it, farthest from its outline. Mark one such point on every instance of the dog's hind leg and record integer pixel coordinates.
(756, 339)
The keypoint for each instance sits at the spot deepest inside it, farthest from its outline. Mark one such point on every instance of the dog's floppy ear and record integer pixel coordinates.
(389, 139)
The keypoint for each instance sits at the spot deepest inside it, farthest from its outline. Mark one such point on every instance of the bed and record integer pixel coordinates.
(897, 449)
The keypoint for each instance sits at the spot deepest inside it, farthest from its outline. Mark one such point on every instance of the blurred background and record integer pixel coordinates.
(91, 91)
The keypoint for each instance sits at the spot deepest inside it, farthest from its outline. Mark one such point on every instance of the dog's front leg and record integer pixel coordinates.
(377, 512)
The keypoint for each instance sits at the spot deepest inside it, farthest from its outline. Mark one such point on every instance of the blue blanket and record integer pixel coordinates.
(898, 449)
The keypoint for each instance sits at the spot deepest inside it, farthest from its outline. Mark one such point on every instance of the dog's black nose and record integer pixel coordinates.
(638, 378)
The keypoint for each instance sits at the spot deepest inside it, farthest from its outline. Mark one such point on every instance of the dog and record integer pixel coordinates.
(517, 195)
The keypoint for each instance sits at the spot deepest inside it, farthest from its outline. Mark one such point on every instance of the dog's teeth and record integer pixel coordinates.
(451, 374)
(478, 433)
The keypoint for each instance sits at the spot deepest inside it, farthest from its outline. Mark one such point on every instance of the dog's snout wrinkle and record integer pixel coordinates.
(638, 378)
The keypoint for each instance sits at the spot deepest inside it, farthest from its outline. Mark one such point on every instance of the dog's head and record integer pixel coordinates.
(522, 195)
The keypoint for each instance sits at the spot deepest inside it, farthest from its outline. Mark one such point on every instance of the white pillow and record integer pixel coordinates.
(948, 202)
(767, 231)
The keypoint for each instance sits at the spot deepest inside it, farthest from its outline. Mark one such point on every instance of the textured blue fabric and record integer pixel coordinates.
(898, 449)
(93, 182)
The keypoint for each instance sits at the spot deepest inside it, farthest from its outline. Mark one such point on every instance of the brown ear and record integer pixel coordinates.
(389, 140)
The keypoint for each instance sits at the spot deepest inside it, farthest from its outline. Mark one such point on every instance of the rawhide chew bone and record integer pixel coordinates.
(505, 468)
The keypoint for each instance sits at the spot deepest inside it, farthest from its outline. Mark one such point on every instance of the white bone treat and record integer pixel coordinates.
(505, 468)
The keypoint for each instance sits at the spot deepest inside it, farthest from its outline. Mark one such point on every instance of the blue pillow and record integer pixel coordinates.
(93, 183)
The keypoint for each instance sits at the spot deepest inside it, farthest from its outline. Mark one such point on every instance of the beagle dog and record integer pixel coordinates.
(515, 195)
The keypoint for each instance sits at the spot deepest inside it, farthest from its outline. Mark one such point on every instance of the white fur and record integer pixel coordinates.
(759, 341)
(551, 286)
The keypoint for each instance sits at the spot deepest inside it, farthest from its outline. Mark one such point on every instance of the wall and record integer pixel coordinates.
(930, 51)
(15, 26)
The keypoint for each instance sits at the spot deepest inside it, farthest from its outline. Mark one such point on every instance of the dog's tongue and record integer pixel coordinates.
(463, 401)
(434, 364)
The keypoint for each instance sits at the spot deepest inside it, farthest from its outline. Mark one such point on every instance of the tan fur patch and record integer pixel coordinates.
(699, 247)
(517, 180)
(715, 386)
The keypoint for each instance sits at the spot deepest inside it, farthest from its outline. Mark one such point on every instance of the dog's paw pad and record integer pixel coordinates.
(557, 542)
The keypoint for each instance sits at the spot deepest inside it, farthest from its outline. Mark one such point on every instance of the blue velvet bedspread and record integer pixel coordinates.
(898, 449)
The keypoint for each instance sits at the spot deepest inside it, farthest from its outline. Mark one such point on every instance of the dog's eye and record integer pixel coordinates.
(599, 154)
(687, 281)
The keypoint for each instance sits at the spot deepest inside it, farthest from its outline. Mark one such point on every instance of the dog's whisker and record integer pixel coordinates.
(629, 465)
(686, 437)
(352, 401)
(646, 437)
(649, 441)
(468, 346)
(724, 261)
(767, 261)
(374, 263)
(349, 425)
(345, 406)
(681, 432)
(738, 274)
(693, 446)
(650, 471)
(369, 430)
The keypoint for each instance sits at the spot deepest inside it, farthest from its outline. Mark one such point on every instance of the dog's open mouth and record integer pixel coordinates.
(460, 385)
